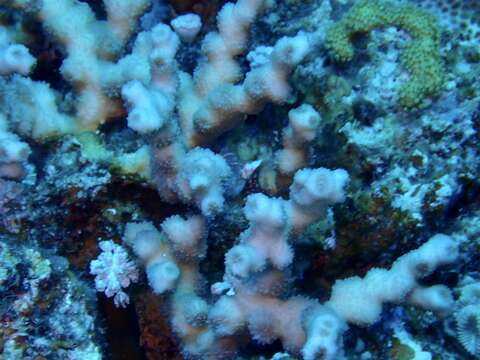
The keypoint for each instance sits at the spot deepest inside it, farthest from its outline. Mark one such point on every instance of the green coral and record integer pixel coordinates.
(92, 146)
(137, 163)
(421, 57)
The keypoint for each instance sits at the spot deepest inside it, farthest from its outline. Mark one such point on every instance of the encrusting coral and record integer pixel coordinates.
(47, 293)
(421, 56)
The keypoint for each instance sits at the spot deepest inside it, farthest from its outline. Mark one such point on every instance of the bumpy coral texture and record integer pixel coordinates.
(421, 57)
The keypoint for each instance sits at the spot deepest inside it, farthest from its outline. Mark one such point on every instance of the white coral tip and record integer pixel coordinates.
(187, 26)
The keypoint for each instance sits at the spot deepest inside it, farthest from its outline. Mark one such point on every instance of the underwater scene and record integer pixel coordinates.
(243, 179)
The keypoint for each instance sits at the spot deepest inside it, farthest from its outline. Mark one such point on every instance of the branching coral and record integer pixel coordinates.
(254, 270)
(251, 294)
(13, 152)
(174, 120)
(211, 102)
(421, 57)
(14, 58)
(89, 61)
(302, 128)
(185, 111)
(360, 300)
(187, 26)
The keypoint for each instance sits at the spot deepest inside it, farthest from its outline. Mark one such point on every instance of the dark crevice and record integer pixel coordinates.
(122, 331)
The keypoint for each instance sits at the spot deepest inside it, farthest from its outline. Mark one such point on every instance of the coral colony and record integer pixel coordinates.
(259, 179)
